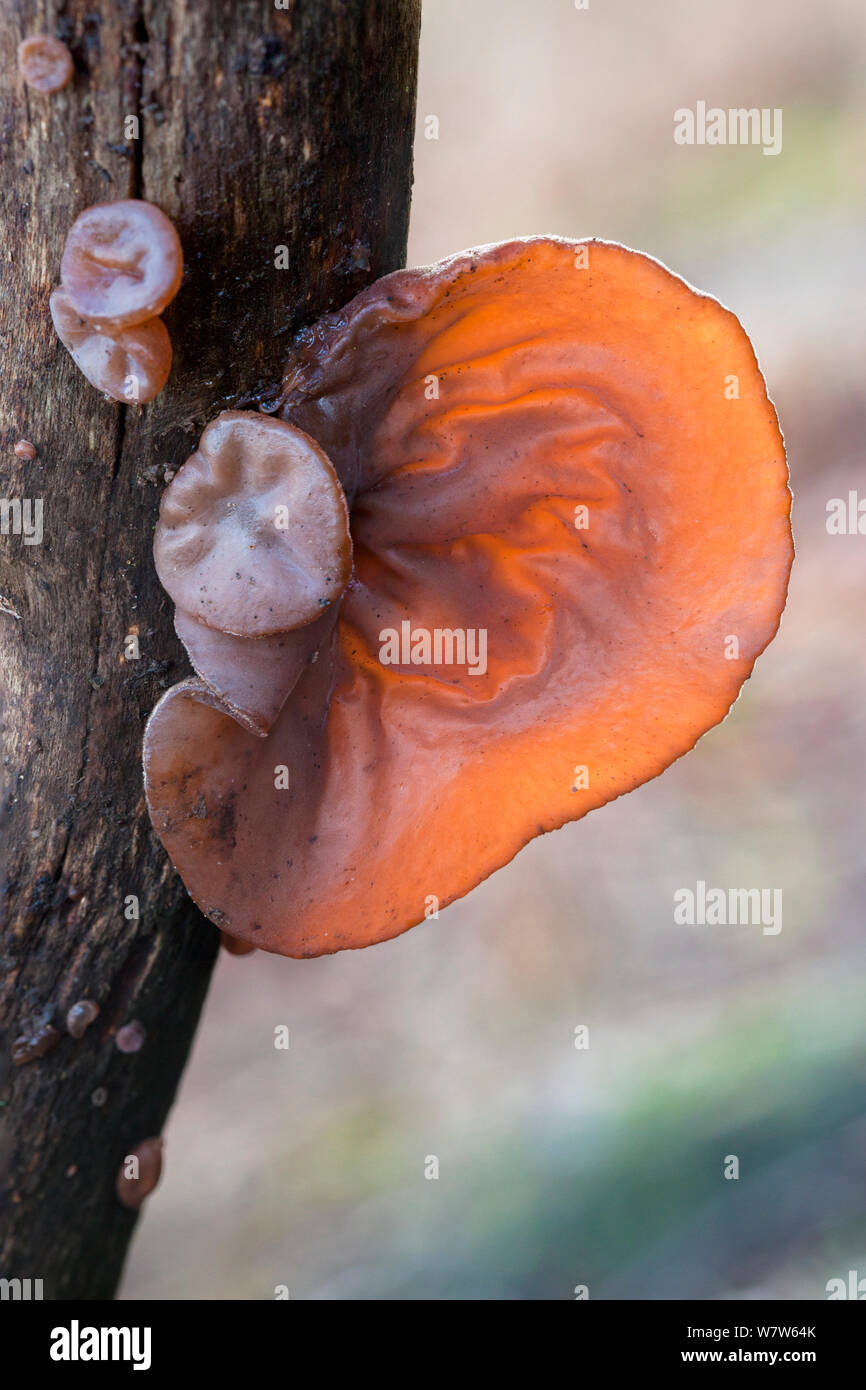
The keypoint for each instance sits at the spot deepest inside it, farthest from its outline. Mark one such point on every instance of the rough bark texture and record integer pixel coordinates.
(259, 127)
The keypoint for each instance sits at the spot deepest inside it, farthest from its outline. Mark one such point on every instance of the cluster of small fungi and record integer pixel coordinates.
(141, 1168)
(121, 267)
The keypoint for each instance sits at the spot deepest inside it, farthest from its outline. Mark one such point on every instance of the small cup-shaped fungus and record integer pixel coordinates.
(32, 1045)
(130, 1038)
(45, 63)
(571, 542)
(139, 1173)
(253, 533)
(122, 264)
(130, 365)
(80, 1017)
(253, 545)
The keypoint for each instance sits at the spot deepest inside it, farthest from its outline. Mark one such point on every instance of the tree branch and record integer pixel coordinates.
(259, 127)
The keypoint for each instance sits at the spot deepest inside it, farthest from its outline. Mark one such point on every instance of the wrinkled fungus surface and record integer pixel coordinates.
(122, 264)
(45, 63)
(130, 365)
(571, 542)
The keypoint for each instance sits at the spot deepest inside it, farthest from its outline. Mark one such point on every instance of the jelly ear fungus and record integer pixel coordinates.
(121, 267)
(536, 443)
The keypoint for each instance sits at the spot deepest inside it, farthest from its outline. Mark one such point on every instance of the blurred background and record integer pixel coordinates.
(602, 1167)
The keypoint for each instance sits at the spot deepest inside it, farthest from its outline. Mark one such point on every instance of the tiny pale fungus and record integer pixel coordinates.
(80, 1017)
(536, 444)
(130, 1038)
(45, 63)
(139, 1173)
(32, 1045)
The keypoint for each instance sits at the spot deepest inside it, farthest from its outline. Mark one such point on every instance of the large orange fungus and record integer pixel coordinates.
(569, 515)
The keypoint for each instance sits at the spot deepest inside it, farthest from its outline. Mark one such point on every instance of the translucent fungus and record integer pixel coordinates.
(122, 264)
(253, 531)
(543, 468)
(130, 365)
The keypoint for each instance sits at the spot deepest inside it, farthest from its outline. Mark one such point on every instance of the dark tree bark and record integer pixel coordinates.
(260, 127)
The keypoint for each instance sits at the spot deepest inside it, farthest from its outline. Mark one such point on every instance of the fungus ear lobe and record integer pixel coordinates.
(131, 365)
(253, 534)
(253, 545)
(122, 263)
(252, 678)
